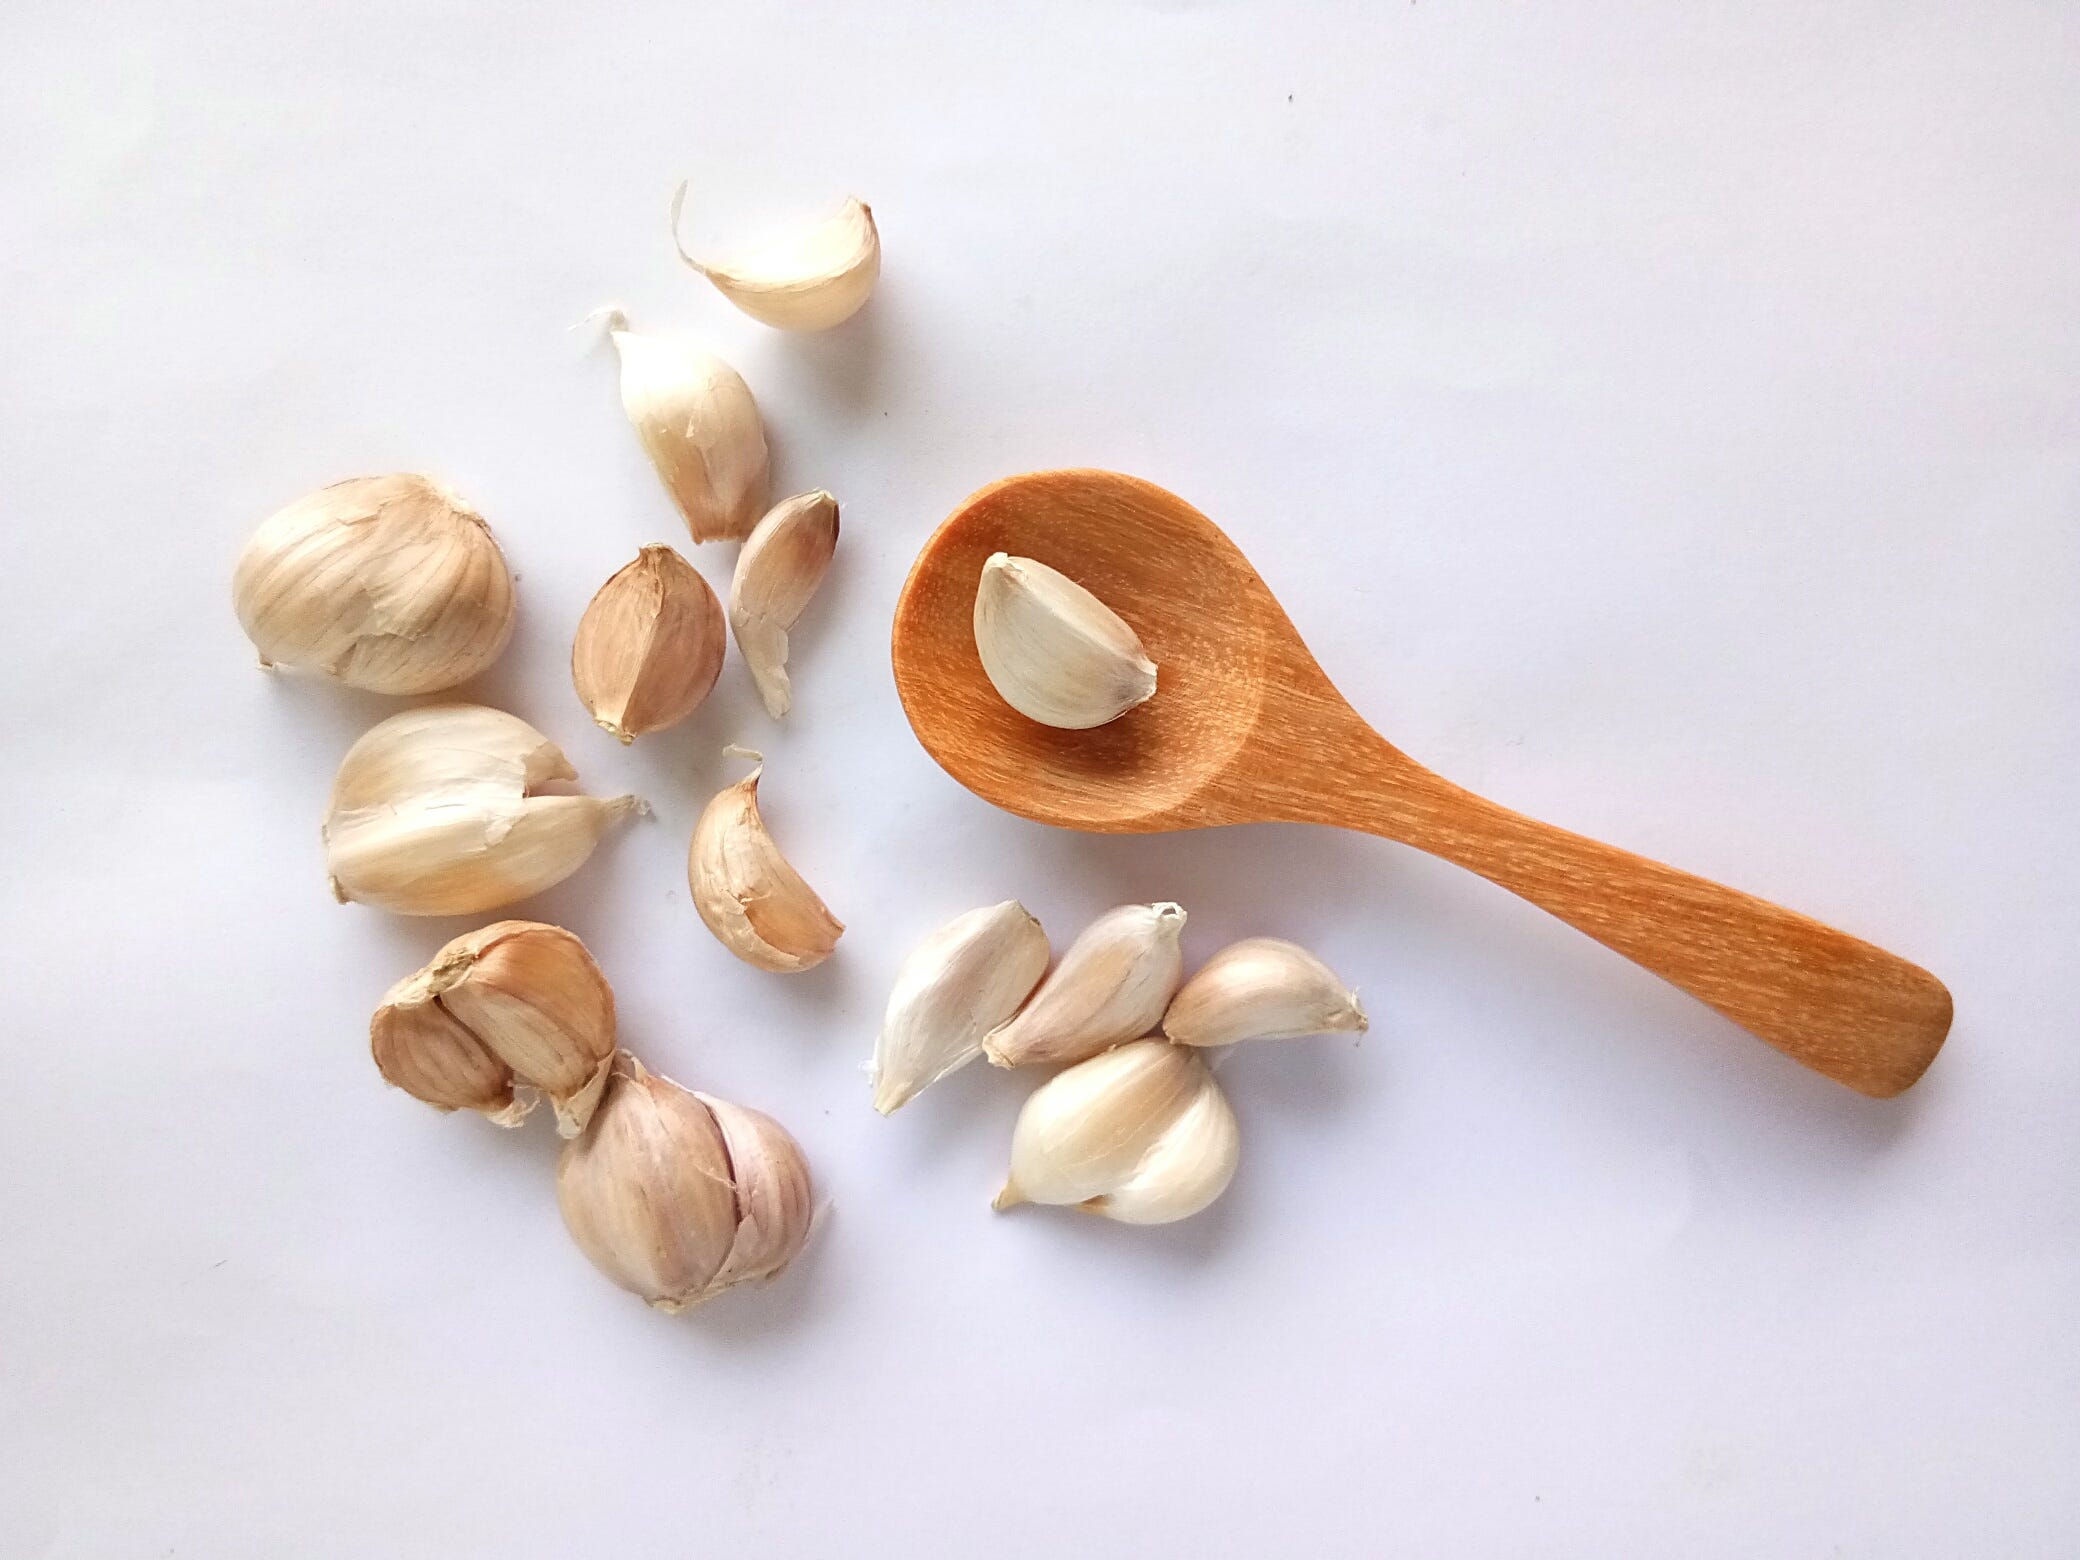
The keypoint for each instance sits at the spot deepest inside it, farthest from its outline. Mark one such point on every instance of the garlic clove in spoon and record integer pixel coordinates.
(812, 279)
(434, 812)
(777, 572)
(1141, 1134)
(1055, 652)
(1262, 988)
(748, 894)
(387, 583)
(649, 646)
(514, 1001)
(699, 426)
(1111, 985)
(955, 987)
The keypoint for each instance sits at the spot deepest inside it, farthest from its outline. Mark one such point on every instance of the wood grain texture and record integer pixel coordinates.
(1245, 727)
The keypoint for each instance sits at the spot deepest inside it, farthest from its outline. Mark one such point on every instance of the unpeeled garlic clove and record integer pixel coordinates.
(699, 426)
(777, 572)
(1112, 985)
(810, 280)
(514, 1001)
(1055, 652)
(749, 895)
(433, 813)
(649, 646)
(677, 1196)
(957, 985)
(387, 583)
(1141, 1134)
(1262, 988)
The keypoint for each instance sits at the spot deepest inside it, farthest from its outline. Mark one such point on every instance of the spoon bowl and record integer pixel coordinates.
(1244, 726)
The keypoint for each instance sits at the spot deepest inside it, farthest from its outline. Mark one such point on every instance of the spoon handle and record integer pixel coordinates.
(1860, 1015)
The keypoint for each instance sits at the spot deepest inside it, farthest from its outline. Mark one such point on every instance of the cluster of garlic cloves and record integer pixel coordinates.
(649, 646)
(436, 811)
(808, 280)
(1055, 652)
(1140, 1134)
(700, 427)
(387, 583)
(676, 1195)
(747, 893)
(498, 1017)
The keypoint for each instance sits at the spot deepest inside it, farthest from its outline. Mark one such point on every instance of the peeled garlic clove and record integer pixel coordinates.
(1055, 652)
(773, 1193)
(647, 1192)
(810, 280)
(649, 646)
(434, 813)
(1262, 988)
(1112, 985)
(957, 985)
(517, 1000)
(751, 898)
(1141, 1134)
(699, 426)
(387, 583)
(777, 572)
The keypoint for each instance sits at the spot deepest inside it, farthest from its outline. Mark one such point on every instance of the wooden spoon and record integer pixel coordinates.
(1245, 727)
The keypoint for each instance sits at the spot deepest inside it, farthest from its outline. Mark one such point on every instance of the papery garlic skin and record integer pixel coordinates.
(514, 1001)
(1112, 984)
(955, 987)
(433, 813)
(811, 279)
(748, 894)
(699, 426)
(1055, 652)
(677, 1196)
(1140, 1134)
(649, 646)
(387, 583)
(777, 572)
(1262, 988)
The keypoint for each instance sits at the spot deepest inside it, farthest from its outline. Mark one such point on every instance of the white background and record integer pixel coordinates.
(1662, 418)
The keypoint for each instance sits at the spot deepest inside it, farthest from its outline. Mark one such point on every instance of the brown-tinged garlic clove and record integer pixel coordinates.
(649, 646)
(388, 583)
(777, 572)
(748, 894)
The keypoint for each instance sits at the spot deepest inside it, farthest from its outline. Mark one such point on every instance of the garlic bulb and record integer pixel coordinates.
(777, 572)
(1141, 1134)
(810, 280)
(516, 1000)
(957, 985)
(434, 812)
(677, 1196)
(649, 646)
(389, 583)
(1112, 985)
(1262, 988)
(699, 426)
(1055, 652)
(751, 898)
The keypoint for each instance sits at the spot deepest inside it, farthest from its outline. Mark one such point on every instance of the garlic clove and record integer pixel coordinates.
(1262, 988)
(647, 1192)
(1111, 985)
(956, 986)
(1140, 1134)
(699, 426)
(773, 1194)
(426, 1051)
(777, 572)
(748, 894)
(433, 813)
(1184, 1170)
(1055, 652)
(810, 280)
(388, 583)
(649, 646)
